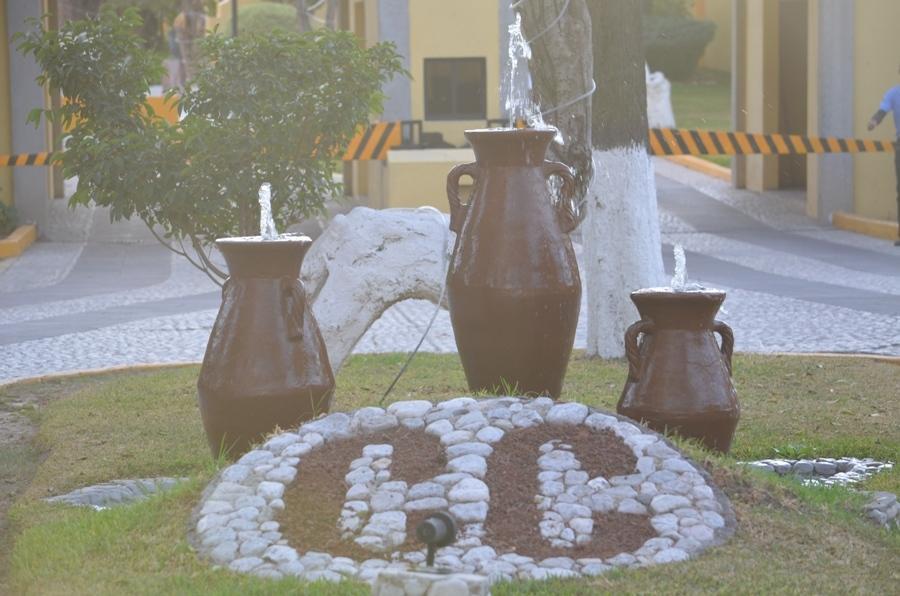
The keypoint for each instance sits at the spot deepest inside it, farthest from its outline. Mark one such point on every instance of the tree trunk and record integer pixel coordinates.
(331, 14)
(190, 27)
(302, 16)
(76, 10)
(561, 69)
(621, 226)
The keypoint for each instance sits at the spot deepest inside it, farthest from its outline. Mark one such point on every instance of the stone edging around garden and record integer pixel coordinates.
(235, 523)
(883, 508)
(826, 471)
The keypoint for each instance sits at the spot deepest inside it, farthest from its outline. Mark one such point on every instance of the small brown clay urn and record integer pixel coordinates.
(679, 377)
(513, 286)
(265, 365)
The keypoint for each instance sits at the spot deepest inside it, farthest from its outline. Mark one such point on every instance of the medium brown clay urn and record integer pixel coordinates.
(513, 285)
(265, 363)
(679, 378)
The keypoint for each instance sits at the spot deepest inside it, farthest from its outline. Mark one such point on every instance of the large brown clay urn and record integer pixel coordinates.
(679, 377)
(265, 365)
(513, 285)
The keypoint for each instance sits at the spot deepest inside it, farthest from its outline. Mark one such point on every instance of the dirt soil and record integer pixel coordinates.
(512, 522)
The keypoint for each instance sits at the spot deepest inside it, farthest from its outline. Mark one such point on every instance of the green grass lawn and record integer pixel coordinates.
(136, 424)
(704, 103)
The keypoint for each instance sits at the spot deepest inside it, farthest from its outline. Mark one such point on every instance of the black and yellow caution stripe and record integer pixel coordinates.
(26, 159)
(678, 141)
(374, 142)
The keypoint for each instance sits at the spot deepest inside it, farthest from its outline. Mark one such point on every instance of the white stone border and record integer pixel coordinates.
(234, 523)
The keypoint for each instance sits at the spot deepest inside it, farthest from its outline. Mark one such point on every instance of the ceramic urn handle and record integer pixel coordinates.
(632, 350)
(293, 303)
(727, 342)
(458, 210)
(567, 219)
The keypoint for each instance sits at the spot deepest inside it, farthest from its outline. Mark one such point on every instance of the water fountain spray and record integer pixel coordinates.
(267, 229)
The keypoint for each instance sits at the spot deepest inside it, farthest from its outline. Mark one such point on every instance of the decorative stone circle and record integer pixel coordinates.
(683, 513)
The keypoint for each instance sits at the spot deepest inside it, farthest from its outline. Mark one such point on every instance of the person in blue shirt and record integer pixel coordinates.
(891, 103)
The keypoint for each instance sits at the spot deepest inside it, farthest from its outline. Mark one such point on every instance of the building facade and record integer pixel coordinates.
(27, 188)
(809, 67)
(817, 68)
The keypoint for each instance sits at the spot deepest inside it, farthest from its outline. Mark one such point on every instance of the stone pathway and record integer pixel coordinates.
(793, 286)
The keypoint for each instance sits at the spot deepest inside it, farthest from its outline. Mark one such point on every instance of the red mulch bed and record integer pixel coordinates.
(513, 518)
(314, 501)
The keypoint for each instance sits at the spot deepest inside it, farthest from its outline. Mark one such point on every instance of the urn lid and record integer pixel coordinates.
(678, 308)
(510, 146)
(251, 256)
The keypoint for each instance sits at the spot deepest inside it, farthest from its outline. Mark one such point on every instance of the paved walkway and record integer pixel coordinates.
(792, 286)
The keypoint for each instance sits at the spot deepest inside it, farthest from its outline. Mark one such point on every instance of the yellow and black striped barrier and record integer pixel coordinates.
(26, 159)
(678, 141)
(374, 142)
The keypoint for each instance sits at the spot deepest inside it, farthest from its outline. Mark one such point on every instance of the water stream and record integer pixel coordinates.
(680, 277)
(267, 229)
(519, 103)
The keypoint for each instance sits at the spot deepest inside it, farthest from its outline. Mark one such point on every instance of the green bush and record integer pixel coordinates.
(674, 45)
(263, 18)
(8, 219)
(262, 108)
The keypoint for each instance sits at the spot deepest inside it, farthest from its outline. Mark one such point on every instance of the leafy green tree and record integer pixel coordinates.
(262, 109)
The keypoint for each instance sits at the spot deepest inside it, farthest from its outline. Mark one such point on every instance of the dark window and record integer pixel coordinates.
(455, 88)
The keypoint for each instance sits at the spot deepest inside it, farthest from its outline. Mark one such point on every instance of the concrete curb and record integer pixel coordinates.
(16, 243)
(877, 228)
(96, 371)
(702, 166)
(895, 360)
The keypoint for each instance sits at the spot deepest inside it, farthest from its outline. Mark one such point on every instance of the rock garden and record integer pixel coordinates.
(85, 437)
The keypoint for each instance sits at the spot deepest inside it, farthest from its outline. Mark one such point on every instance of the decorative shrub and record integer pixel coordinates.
(674, 45)
(8, 219)
(263, 108)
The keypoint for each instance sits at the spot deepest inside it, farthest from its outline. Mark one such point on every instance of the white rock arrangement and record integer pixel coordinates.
(235, 524)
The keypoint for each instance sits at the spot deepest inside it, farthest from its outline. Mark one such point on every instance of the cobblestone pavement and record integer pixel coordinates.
(793, 286)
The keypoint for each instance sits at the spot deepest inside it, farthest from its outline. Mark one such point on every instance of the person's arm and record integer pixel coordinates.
(883, 109)
(876, 119)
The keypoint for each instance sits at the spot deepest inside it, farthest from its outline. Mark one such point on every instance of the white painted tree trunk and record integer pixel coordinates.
(621, 244)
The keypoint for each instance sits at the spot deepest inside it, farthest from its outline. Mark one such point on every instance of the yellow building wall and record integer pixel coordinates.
(718, 53)
(363, 20)
(6, 194)
(876, 61)
(812, 108)
(418, 177)
(761, 86)
(457, 29)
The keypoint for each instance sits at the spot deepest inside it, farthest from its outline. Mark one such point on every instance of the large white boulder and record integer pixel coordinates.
(366, 261)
